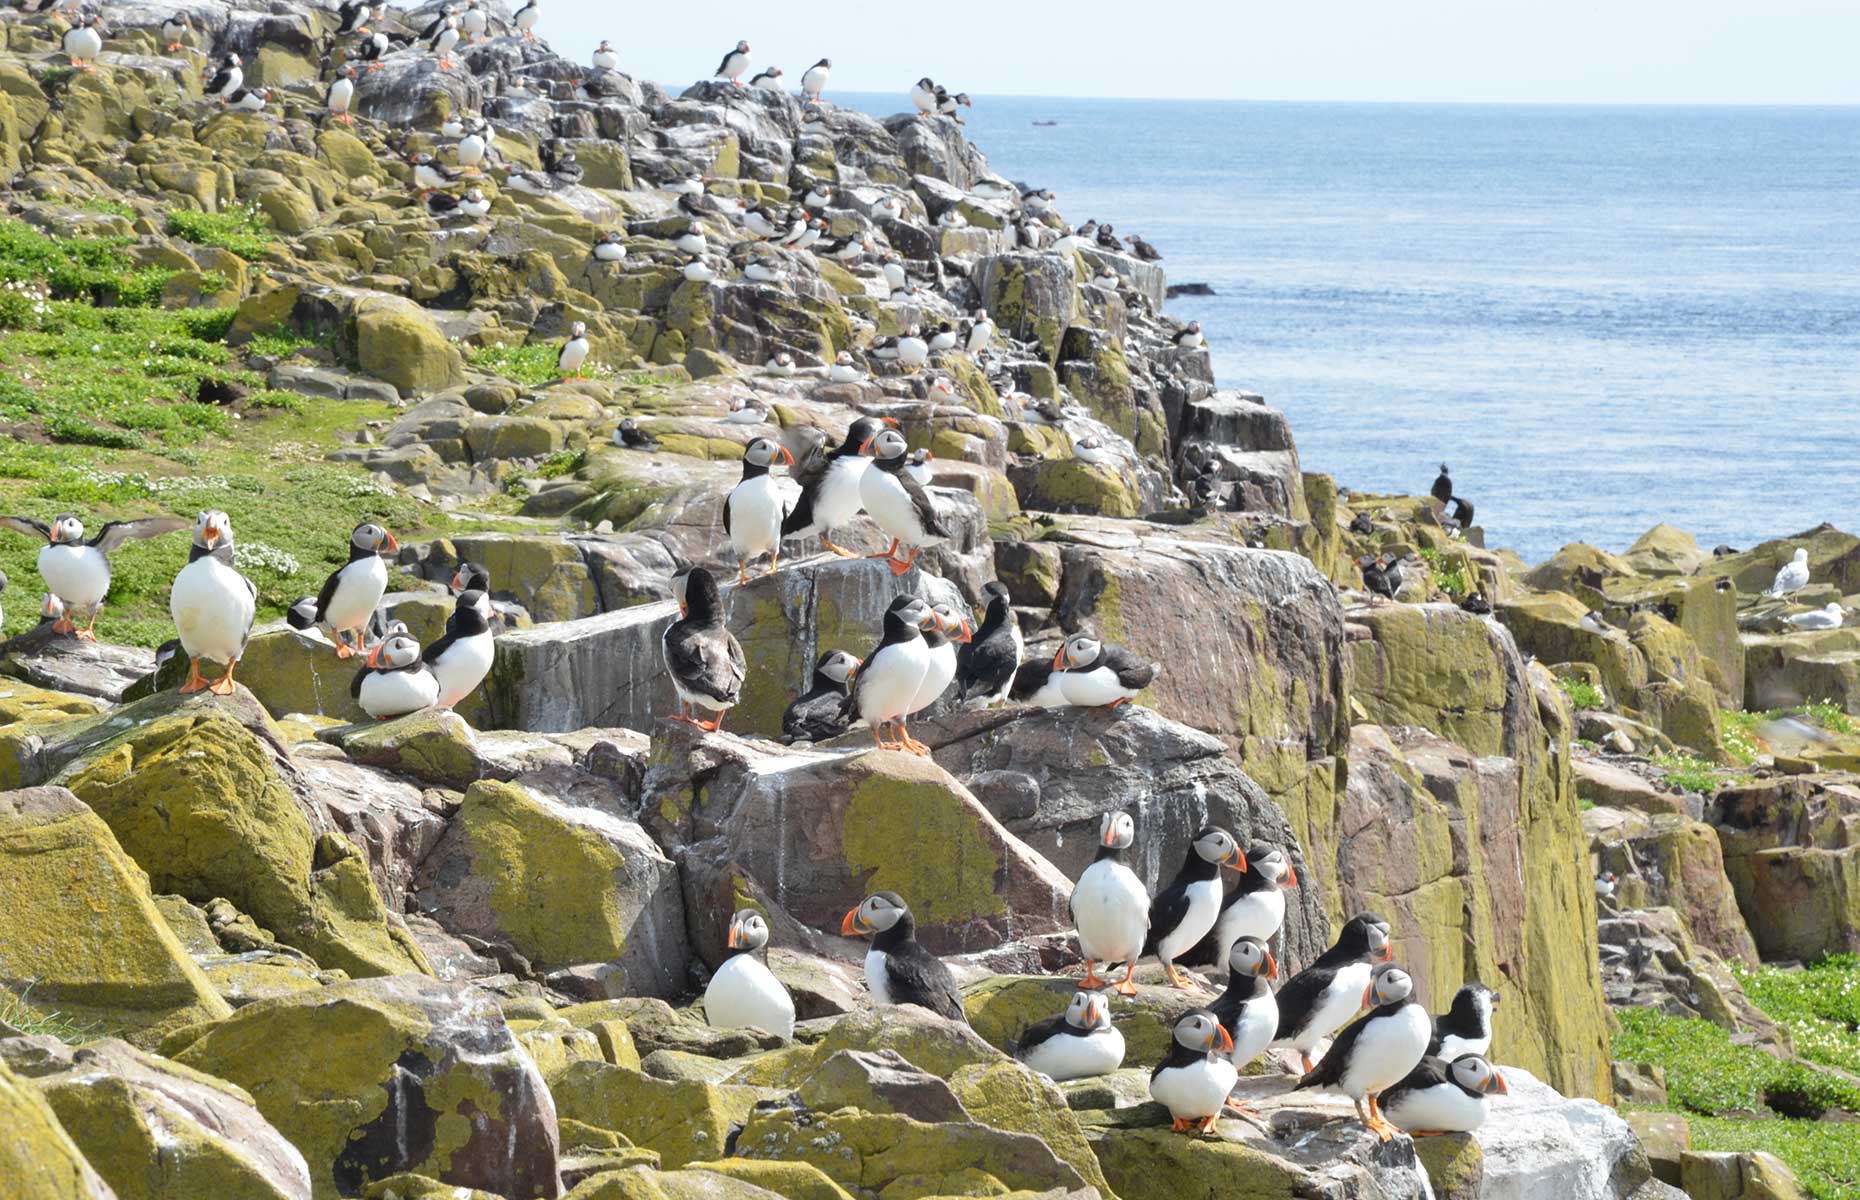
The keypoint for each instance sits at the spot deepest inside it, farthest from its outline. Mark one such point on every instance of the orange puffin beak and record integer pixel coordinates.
(733, 938)
(1226, 1043)
(787, 459)
(213, 535)
(1235, 861)
(865, 447)
(1369, 995)
(929, 457)
(1291, 877)
(1272, 966)
(1107, 838)
(852, 925)
(374, 656)
(891, 421)
(1059, 660)
(1387, 953)
(392, 543)
(1497, 1084)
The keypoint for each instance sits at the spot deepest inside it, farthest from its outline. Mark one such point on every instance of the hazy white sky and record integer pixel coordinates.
(1527, 51)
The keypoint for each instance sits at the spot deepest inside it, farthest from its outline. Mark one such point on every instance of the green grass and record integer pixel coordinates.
(1820, 1006)
(532, 365)
(1741, 732)
(1450, 579)
(18, 1011)
(282, 343)
(244, 231)
(1708, 1073)
(1825, 1156)
(1690, 772)
(93, 269)
(1583, 694)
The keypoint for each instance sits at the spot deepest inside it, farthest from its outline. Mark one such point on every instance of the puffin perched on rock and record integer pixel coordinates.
(755, 508)
(897, 968)
(744, 993)
(462, 658)
(948, 630)
(574, 352)
(886, 686)
(1254, 909)
(1078, 1044)
(814, 80)
(901, 506)
(395, 682)
(227, 80)
(1110, 907)
(1444, 1096)
(734, 64)
(1466, 1026)
(78, 571)
(1193, 1082)
(985, 665)
(351, 592)
(212, 604)
(703, 657)
(1094, 675)
(820, 712)
(1248, 1010)
(1320, 999)
(1184, 912)
(1378, 1051)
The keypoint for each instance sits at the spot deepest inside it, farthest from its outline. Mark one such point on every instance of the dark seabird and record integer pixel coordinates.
(821, 712)
(1184, 911)
(1443, 488)
(897, 968)
(1466, 1026)
(702, 656)
(1318, 1000)
(1378, 1051)
(985, 666)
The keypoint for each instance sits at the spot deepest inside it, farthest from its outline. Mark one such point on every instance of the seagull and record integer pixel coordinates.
(1831, 617)
(1793, 576)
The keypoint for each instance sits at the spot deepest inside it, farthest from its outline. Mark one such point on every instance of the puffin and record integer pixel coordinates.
(395, 682)
(462, 657)
(429, 174)
(605, 59)
(469, 576)
(1443, 1095)
(946, 104)
(886, 685)
(249, 99)
(174, 29)
(900, 505)
(734, 64)
(212, 604)
(779, 364)
(744, 993)
(351, 17)
(897, 968)
(755, 507)
(844, 369)
(473, 145)
(229, 79)
(558, 160)
(341, 94)
(1193, 1082)
(1248, 1010)
(831, 487)
(986, 663)
(977, 332)
(78, 571)
(1793, 576)
(819, 195)
(1142, 249)
(1078, 1044)
(1256, 908)
(1184, 912)
(698, 271)
(691, 183)
(1035, 683)
(610, 247)
(948, 630)
(349, 596)
(703, 657)
(373, 49)
(1094, 675)
(444, 38)
(1466, 1026)
(814, 80)
(820, 712)
(1442, 490)
(1090, 449)
(1110, 907)
(768, 79)
(1378, 1051)
(923, 95)
(574, 352)
(896, 278)
(1317, 1001)
(1188, 337)
(83, 43)
(526, 19)
(474, 22)
(629, 435)
(691, 241)
(917, 466)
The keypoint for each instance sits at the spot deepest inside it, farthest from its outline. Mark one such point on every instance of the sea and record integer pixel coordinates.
(1600, 317)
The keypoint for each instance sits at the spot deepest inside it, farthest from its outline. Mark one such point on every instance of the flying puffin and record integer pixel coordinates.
(628, 434)
(768, 79)
(1184, 912)
(78, 571)
(395, 682)
(900, 505)
(830, 487)
(1466, 1026)
(462, 658)
(923, 95)
(1320, 999)
(229, 79)
(341, 94)
(83, 43)
(1094, 675)
(350, 594)
(526, 18)
(1378, 1051)
(174, 29)
(734, 64)
(886, 685)
(1193, 1082)
(755, 507)
(1077, 1044)
(949, 629)
(703, 657)
(744, 993)
(1256, 908)
(1444, 1095)
(605, 59)
(212, 604)
(1110, 907)
(1248, 1010)
(814, 80)
(985, 666)
(820, 712)
(897, 968)
(574, 352)
(1188, 337)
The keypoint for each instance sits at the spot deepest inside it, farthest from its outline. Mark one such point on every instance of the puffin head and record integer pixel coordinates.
(742, 47)
(66, 529)
(1078, 649)
(696, 588)
(886, 444)
(1201, 1030)
(875, 914)
(51, 608)
(372, 537)
(394, 653)
(470, 575)
(765, 452)
(1250, 958)
(1477, 1076)
(838, 666)
(922, 457)
(954, 625)
(477, 601)
(1376, 937)
(1088, 1010)
(1117, 831)
(212, 529)
(577, 330)
(748, 931)
(1388, 985)
(1214, 844)
(1271, 862)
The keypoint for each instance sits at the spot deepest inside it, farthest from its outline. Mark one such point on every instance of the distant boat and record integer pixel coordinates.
(1045, 124)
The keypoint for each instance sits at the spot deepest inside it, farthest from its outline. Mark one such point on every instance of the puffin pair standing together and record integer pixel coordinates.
(831, 486)
(912, 666)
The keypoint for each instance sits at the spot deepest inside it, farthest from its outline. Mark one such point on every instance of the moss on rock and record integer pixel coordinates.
(37, 1157)
(683, 1120)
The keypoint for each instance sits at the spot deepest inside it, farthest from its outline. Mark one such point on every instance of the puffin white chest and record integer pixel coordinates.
(1077, 1056)
(743, 993)
(1093, 688)
(939, 673)
(756, 508)
(1196, 1090)
(1111, 911)
(888, 683)
(1444, 1108)
(359, 587)
(1204, 901)
(1334, 1006)
(212, 607)
(1255, 1027)
(878, 977)
(891, 506)
(1386, 1050)
(1256, 914)
(77, 574)
(837, 500)
(1453, 1045)
(397, 693)
(463, 667)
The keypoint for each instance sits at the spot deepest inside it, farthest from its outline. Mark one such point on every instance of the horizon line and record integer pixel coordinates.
(1699, 104)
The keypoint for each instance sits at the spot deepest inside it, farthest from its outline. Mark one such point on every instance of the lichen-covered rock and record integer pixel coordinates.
(434, 745)
(1672, 861)
(37, 1158)
(1665, 550)
(547, 575)
(1791, 669)
(684, 1121)
(1792, 856)
(1002, 1007)
(393, 339)
(1750, 1175)
(156, 1130)
(377, 1077)
(82, 934)
(1031, 297)
(879, 1082)
(291, 671)
(1007, 1095)
(917, 1035)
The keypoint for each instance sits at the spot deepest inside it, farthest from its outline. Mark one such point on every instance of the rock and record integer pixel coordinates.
(1007, 1095)
(684, 1121)
(1790, 856)
(1640, 1083)
(1751, 1175)
(1144, 1160)
(1576, 567)
(1833, 558)
(797, 1181)
(1031, 297)
(879, 1082)
(394, 340)
(1540, 1146)
(104, 670)
(83, 936)
(560, 883)
(1609, 786)
(434, 745)
(1664, 550)
(1665, 1137)
(158, 1131)
(1649, 960)
(381, 1076)
(1671, 861)
(1792, 669)
(291, 671)
(917, 1035)
(37, 1156)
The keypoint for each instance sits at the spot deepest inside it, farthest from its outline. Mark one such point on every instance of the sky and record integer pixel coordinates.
(1456, 51)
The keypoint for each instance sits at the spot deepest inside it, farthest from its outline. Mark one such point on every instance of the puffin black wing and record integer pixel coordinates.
(115, 533)
(919, 977)
(1166, 911)
(355, 685)
(1429, 1072)
(1131, 671)
(30, 526)
(1329, 1072)
(1300, 995)
(327, 593)
(926, 507)
(432, 30)
(1039, 1032)
(724, 65)
(698, 665)
(1029, 678)
(726, 513)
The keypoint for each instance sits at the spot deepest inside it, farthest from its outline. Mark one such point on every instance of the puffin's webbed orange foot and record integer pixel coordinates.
(224, 685)
(1092, 981)
(1183, 1125)
(195, 681)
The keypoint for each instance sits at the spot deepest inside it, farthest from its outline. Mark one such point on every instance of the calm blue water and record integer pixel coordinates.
(1600, 317)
